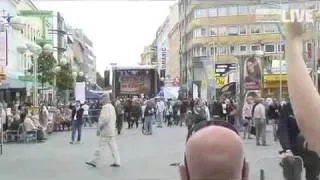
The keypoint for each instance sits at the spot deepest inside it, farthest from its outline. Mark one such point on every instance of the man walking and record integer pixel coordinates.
(77, 121)
(259, 116)
(160, 112)
(107, 132)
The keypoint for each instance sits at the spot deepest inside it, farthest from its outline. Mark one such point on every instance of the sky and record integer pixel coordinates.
(119, 30)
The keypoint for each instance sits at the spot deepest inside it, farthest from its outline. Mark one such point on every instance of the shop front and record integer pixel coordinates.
(273, 83)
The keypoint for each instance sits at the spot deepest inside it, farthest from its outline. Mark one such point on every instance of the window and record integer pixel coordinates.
(252, 9)
(213, 31)
(282, 48)
(243, 48)
(203, 31)
(222, 30)
(270, 28)
(255, 29)
(270, 48)
(223, 50)
(213, 51)
(213, 12)
(203, 51)
(243, 10)
(255, 47)
(199, 13)
(243, 30)
(233, 11)
(222, 11)
(233, 49)
(197, 33)
(233, 30)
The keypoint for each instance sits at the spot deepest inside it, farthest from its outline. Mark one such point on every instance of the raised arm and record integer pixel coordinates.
(303, 95)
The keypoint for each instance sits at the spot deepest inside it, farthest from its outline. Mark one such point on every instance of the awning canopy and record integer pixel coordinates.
(12, 83)
(93, 95)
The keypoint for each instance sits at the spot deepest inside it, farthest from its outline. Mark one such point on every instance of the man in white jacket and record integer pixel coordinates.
(106, 132)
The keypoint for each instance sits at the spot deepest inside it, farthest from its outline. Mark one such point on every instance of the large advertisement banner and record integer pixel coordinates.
(134, 83)
(251, 79)
(252, 74)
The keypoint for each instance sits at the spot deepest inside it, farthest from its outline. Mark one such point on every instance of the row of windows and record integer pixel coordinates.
(25, 62)
(245, 10)
(236, 49)
(31, 33)
(235, 30)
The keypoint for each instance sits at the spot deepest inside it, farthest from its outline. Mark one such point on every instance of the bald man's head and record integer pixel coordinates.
(214, 153)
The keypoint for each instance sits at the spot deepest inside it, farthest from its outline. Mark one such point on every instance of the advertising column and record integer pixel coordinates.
(251, 78)
(210, 80)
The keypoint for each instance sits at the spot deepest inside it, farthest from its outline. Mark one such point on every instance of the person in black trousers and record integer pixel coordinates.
(76, 121)
(291, 139)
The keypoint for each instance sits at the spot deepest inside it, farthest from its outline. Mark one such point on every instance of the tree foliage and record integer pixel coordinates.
(65, 79)
(81, 78)
(46, 64)
(100, 80)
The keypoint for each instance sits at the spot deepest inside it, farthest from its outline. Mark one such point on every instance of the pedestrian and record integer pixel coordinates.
(86, 117)
(77, 121)
(107, 133)
(120, 116)
(149, 116)
(160, 112)
(259, 116)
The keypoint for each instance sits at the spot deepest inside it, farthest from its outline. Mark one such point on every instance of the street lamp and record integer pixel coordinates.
(36, 50)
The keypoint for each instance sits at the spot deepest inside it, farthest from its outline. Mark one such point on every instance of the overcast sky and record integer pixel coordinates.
(119, 30)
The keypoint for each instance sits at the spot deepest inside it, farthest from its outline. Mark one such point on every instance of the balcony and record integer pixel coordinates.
(240, 39)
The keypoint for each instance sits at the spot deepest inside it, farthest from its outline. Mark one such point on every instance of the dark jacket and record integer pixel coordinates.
(273, 112)
(79, 114)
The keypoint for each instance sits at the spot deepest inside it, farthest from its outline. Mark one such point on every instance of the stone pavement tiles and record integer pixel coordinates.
(142, 157)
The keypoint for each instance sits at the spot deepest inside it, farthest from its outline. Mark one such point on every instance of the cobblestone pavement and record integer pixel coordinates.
(143, 157)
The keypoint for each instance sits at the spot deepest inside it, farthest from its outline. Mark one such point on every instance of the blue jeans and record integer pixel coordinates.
(76, 126)
(148, 121)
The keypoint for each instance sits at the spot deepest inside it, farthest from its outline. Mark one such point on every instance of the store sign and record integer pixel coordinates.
(275, 77)
(220, 82)
(222, 69)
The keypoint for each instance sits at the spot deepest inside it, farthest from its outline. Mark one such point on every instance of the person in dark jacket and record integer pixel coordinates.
(273, 116)
(291, 139)
(77, 121)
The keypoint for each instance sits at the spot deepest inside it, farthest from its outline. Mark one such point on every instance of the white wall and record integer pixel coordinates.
(12, 51)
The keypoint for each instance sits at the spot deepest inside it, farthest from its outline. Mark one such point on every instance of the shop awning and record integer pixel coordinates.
(12, 83)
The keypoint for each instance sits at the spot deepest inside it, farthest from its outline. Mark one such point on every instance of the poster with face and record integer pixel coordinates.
(252, 74)
(251, 95)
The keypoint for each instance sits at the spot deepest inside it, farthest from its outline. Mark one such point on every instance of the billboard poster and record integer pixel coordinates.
(252, 73)
(251, 79)
(134, 82)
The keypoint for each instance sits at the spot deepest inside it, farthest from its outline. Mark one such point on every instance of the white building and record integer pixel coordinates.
(18, 32)
(162, 38)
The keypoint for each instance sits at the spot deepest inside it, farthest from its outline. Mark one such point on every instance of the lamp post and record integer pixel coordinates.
(36, 50)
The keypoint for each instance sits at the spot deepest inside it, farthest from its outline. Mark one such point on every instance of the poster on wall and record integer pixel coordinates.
(252, 73)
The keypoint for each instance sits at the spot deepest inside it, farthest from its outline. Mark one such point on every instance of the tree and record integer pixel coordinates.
(46, 64)
(100, 80)
(81, 78)
(65, 79)
(64, 82)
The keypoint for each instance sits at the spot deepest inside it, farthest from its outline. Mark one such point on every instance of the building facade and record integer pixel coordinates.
(162, 42)
(173, 63)
(23, 29)
(84, 58)
(148, 56)
(221, 31)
